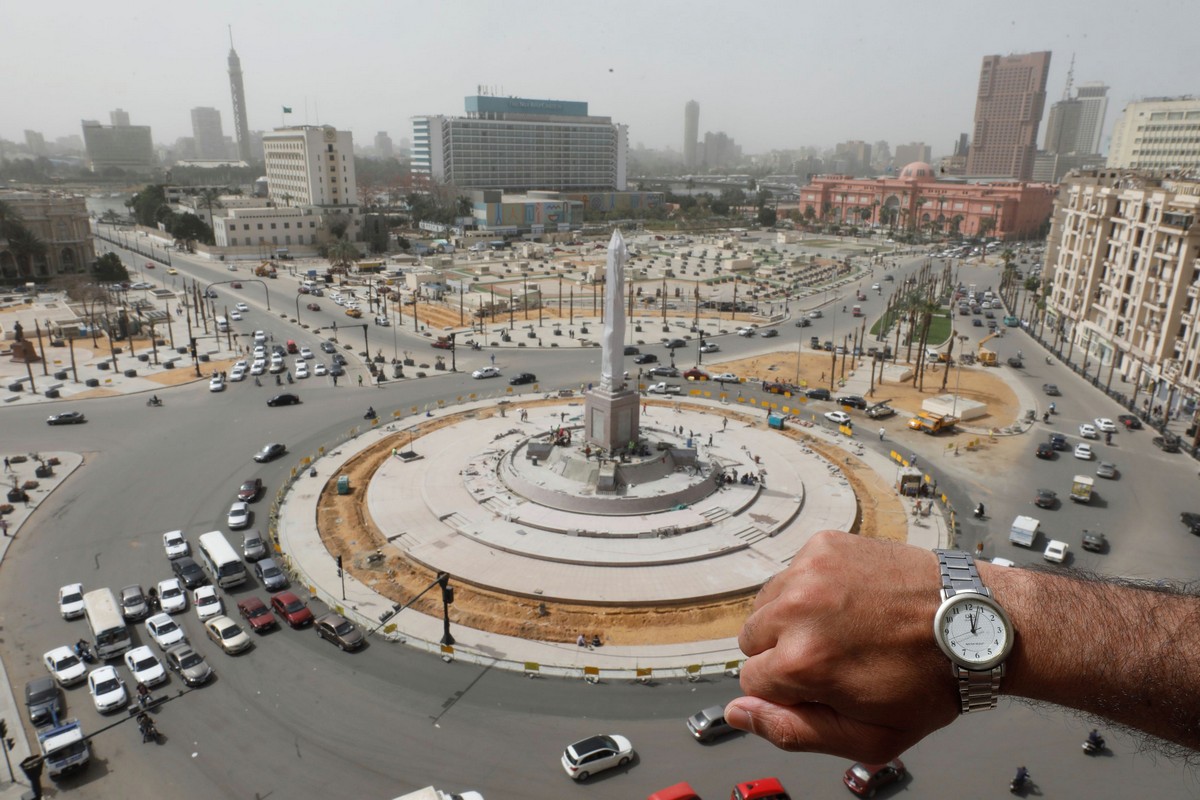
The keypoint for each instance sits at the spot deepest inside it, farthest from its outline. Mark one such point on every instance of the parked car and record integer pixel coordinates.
(144, 666)
(133, 601)
(43, 701)
(70, 601)
(172, 599)
(339, 630)
(107, 689)
(292, 609)
(189, 665)
(64, 666)
(594, 754)
(866, 779)
(227, 635)
(254, 547)
(852, 400)
(188, 571)
(207, 602)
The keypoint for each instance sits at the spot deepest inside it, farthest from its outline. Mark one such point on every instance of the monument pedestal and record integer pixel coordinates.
(611, 418)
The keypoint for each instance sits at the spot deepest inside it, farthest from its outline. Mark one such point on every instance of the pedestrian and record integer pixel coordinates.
(493, 357)
(912, 459)
(724, 424)
(359, 379)
(143, 693)
(881, 433)
(710, 440)
(7, 466)
(4, 526)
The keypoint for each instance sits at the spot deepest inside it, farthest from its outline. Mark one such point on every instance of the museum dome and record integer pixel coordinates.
(918, 171)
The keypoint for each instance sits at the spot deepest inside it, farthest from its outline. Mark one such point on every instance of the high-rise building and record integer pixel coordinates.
(1161, 133)
(516, 144)
(124, 147)
(383, 145)
(856, 154)
(36, 142)
(913, 151)
(240, 125)
(119, 118)
(206, 130)
(1008, 111)
(311, 165)
(691, 133)
(1062, 127)
(1074, 125)
(1121, 260)
(1094, 97)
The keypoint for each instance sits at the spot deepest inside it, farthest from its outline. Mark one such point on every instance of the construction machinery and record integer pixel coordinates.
(928, 422)
(266, 270)
(987, 357)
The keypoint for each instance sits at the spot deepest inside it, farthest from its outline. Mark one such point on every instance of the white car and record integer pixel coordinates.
(175, 544)
(664, 388)
(277, 365)
(70, 601)
(216, 384)
(1083, 451)
(64, 666)
(241, 362)
(171, 596)
(725, 377)
(260, 337)
(302, 369)
(145, 666)
(709, 347)
(320, 369)
(1088, 432)
(237, 374)
(486, 372)
(306, 354)
(595, 754)
(876, 287)
(227, 634)
(242, 307)
(107, 689)
(239, 516)
(1056, 551)
(1105, 425)
(235, 316)
(207, 602)
(258, 367)
(815, 314)
(747, 331)
(164, 631)
(838, 417)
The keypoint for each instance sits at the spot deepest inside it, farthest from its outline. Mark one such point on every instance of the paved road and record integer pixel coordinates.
(296, 718)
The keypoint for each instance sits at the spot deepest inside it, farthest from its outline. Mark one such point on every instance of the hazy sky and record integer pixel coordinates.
(769, 74)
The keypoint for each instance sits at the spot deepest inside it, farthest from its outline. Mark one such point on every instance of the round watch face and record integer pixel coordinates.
(973, 631)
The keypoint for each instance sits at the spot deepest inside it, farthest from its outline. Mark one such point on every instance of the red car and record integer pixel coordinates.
(257, 614)
(149, 265)
(680, 791)
(313, 307)
(249, 490)
(695, 374)
(292, 609)
(762, 789)
(236, 284)
(866, 779)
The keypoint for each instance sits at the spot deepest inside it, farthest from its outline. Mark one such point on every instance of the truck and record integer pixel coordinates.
(1024, 531)
(430, 793)
(987, 357)
(856, 311)
(266, 270)
(1081, 488)
(928, 422)
(64, 748)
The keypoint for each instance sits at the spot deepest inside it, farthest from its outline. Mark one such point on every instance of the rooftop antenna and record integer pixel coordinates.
(230, 36)
(1070, 79)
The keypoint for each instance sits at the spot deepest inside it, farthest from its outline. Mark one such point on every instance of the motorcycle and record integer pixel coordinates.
(1020, 784)
(370, 414)
(148, 728)
(84, 652)
(154, 402)
(979, 512)
(1093, 746)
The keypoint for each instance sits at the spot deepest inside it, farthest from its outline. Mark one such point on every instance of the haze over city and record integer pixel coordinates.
(771, 75)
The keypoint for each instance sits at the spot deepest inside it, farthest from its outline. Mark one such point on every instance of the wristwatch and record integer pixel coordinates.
(972, 630)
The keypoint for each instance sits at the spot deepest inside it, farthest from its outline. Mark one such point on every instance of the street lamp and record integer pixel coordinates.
(958, 379)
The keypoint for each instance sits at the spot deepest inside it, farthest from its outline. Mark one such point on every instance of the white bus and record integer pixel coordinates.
(109, 632)
(222, 324)
(220, 560)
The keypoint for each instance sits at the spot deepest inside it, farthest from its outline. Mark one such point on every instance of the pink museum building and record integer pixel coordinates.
(916, 198)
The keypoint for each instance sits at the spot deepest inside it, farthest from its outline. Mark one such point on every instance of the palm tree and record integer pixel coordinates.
(25, 247)
(210, 199)
(342, 253)
(986, 226)
(926, 307)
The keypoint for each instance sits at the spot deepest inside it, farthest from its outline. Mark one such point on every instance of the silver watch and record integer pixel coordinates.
(972, 630)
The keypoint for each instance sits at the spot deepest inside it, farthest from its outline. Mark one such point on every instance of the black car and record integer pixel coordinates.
(665, 372)
(339, 359)
(43, 700)
(978, 323)
(630, 350)
(803, 322)
(769, 333)
(1051, 389)
(1058, 441)
(284, 400)
(188, 571)
(327, 347)
(1130, 422)
(66, 418)
(523, 378)
(818, 394)
(337, 370)
(270, 452)
(1168, 443)
(1191, 521)
(1045, 498)
(1045, 450)
(1094, 541)
(646, 358)
(853, 400)
(674, 344)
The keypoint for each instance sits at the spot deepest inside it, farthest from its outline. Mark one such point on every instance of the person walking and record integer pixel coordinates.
(7, 465)
(4, 526)
(360, 380)
(881, 433)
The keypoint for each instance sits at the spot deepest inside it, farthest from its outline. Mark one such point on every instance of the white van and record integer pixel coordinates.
(222, 325)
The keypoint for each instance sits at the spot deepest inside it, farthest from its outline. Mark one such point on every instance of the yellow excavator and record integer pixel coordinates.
(987, 357)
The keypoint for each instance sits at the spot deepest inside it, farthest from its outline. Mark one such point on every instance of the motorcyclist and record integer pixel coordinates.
(1045, 416)
(146, 725)
(1022, 776)
(1053, 407)
(154, 401)
(979, 510)
(1095, 739)
(371, 412)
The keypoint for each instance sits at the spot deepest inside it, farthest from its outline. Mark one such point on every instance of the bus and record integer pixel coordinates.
(220, 560)
(222, 325)
(109, 632)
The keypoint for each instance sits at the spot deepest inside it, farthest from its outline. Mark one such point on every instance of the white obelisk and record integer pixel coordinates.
(611, 409)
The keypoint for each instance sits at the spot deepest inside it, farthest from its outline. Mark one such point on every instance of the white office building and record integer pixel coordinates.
(518, 144)
(1159, 134)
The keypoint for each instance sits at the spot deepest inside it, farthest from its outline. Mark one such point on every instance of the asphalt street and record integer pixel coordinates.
(294, 717)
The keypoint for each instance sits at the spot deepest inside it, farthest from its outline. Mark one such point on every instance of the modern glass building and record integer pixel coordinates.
(518, 144)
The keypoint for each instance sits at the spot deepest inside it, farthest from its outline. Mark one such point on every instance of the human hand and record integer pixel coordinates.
(841, 653)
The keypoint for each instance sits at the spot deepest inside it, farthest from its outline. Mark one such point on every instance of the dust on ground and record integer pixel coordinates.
(347, 529)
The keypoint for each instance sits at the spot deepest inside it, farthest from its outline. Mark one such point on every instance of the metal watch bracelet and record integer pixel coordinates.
(978, 690)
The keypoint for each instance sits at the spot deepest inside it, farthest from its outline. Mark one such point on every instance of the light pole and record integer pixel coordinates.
(958, 379)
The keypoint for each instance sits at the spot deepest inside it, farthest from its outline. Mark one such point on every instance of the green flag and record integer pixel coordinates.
(287, 109)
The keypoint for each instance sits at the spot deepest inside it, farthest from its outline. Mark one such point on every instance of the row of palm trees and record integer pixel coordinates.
(916, 306)
(21, 242)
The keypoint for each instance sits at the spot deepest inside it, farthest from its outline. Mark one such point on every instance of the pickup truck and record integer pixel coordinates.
(927, 422)
(880, 411)
(1024, 531)
(664, 388)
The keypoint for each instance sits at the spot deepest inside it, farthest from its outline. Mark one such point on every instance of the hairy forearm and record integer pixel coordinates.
(1125, 653)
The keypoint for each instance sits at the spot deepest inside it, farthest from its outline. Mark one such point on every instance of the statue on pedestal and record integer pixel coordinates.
(23, 351)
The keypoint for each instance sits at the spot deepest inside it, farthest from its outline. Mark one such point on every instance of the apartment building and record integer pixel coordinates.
(1123, 261)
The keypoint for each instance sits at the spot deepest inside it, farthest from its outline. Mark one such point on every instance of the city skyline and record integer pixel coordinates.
(803, 77)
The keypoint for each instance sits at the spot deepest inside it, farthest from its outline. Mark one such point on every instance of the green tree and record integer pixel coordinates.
(109, 269)
(810, 213)
(147, 205)
(767, 217)
(986, 226)
(208, 199)
(342, 253)
(189, 228)
(26, 248)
